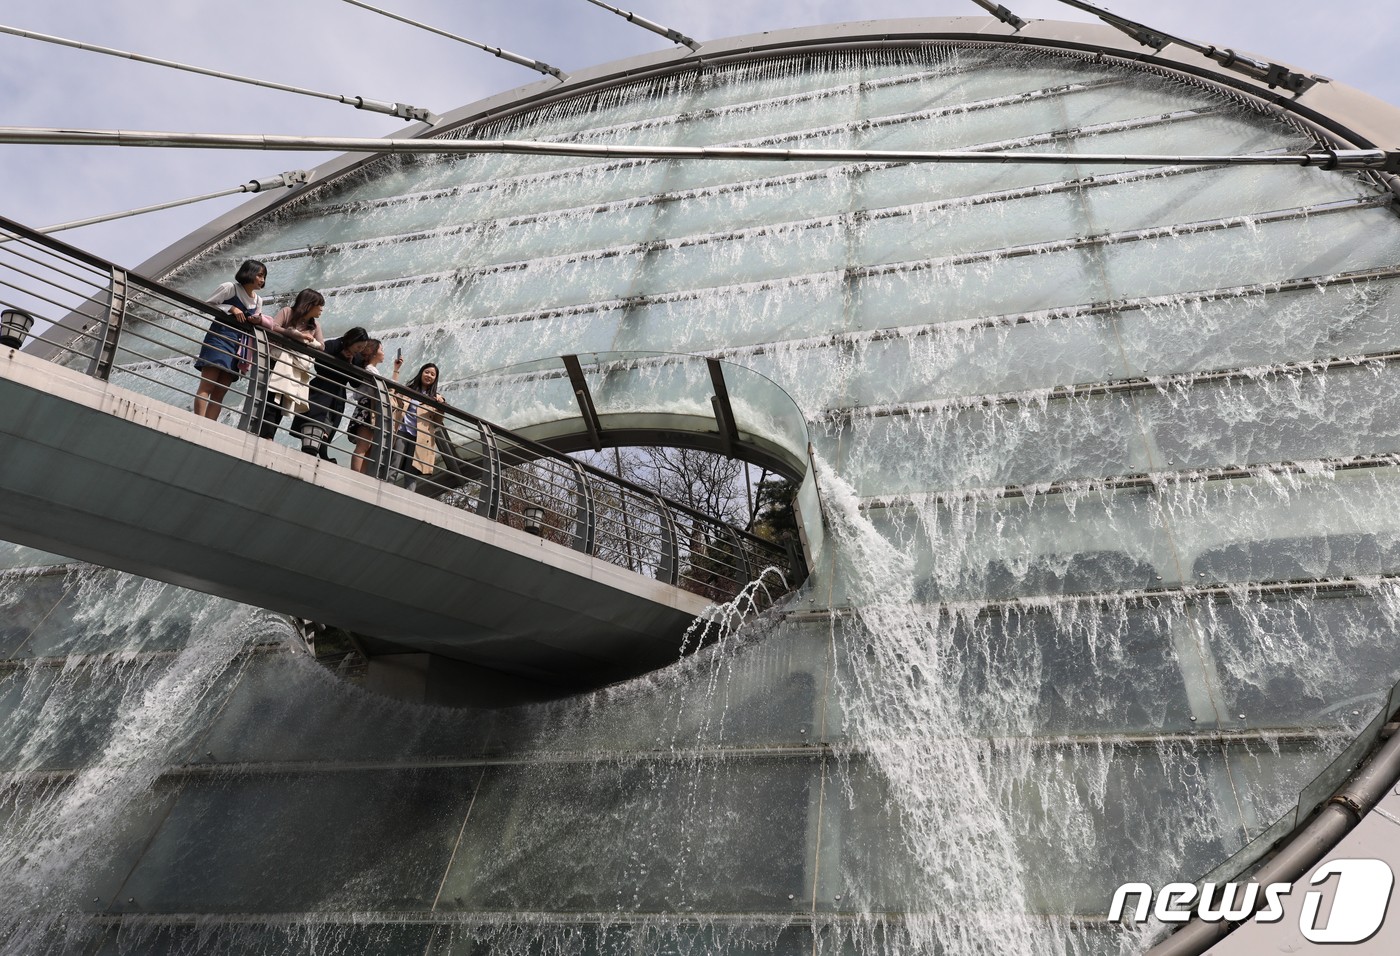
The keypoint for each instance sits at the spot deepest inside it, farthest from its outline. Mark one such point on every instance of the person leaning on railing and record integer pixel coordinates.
(327, 391)
(415, 426)
(288, 386)
(224, 355)
(366, 414)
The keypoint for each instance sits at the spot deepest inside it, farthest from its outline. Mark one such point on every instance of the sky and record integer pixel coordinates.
(333, 46)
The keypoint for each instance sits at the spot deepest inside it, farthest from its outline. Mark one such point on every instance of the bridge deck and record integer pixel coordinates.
(105, 475)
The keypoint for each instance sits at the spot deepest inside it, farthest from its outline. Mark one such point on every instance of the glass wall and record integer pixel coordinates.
(1106, 457)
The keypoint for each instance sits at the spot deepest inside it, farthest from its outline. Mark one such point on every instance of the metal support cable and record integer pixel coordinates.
(1372, 159)
(675, 36)
(401, 110)
(288, 179)
(1273, 74)
(996, 10)
(537, 65)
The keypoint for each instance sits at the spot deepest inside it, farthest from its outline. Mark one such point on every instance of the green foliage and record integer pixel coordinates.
(775, 513)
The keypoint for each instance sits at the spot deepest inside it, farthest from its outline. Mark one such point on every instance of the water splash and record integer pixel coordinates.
(63, 834)
(905, 714)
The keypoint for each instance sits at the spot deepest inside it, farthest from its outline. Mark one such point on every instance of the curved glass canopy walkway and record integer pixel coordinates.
(609, 399)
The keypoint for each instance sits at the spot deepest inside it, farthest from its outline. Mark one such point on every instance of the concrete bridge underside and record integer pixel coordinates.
(102, 474)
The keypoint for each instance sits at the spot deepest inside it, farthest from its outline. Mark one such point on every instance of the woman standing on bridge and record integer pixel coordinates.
(326, 393)
(288, 387)
(224, 355)
(415, 427)
(365, 419)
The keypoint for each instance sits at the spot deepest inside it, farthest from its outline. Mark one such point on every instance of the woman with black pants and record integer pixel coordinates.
(327, 390)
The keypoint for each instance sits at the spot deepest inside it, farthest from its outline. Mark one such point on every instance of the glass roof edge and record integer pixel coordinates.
(1333, 109)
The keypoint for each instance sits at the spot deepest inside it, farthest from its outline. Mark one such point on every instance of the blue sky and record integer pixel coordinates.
(333, 46)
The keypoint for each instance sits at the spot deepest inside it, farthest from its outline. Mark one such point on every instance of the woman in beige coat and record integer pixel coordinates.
(415, 427)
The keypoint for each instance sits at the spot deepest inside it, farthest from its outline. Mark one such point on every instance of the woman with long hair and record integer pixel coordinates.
(287, 388)
(366, 416)
(223, 357)
(415, 427)
(336, 370)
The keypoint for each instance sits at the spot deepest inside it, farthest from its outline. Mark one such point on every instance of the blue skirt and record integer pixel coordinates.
(223, 348)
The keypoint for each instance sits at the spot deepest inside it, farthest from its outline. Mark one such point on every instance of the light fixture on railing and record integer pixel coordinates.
(313, 437)
(534, 518)
(14, 326)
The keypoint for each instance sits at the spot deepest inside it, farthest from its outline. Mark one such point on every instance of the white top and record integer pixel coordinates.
(252, 302)
(367, 389)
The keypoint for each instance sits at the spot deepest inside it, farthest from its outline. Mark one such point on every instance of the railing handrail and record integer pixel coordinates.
(356, 373)
(97, 262)
(544, 451)
(539, 449)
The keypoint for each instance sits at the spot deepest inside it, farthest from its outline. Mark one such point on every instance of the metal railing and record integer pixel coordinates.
(124, 328)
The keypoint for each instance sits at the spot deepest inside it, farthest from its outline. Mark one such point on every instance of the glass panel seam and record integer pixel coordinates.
(1176, 381)
(1153, 481)
(861, 272)
(1340, 587)
(554, 176)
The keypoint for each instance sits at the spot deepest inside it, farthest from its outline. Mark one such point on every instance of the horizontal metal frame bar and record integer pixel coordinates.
(855, 338)
(750, 106)
(118, 658)
(610, 920)
(1119, 238)
(997, 154)
(815, 750)
(879, 122)
(852, 219)
(1110, 307)
(854, 168)
(879, 38)
(856, 273)
(1050, 603)
(1161, 383)
(1153, 481)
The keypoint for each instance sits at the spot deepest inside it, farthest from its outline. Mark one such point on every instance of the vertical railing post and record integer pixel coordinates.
(381, 456)
(490, 505)
(633, 564)
(259, 373)
(741, 556)
(669, 569)
(797, 569)
(104, 354)
(586, 509)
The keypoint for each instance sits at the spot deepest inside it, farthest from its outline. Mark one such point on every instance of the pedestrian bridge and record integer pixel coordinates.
(511, 572)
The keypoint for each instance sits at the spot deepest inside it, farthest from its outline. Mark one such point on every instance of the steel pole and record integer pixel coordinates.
(1375, 159)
